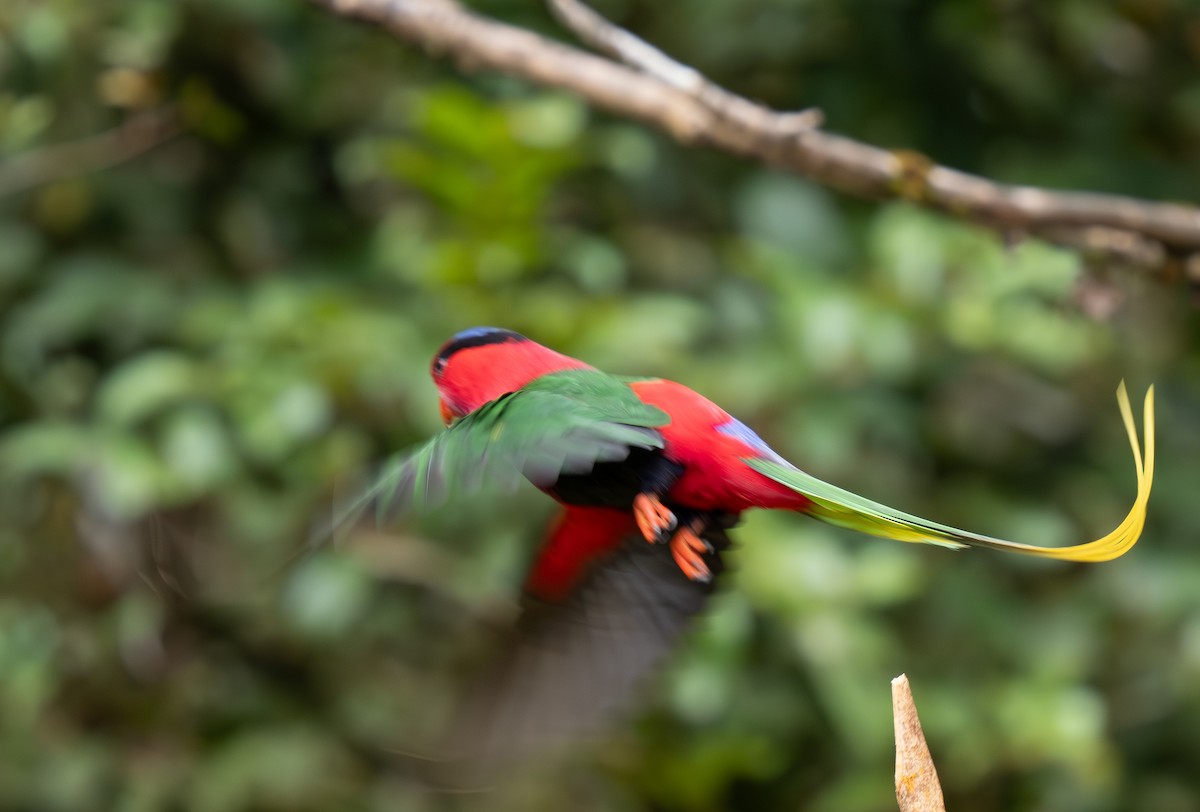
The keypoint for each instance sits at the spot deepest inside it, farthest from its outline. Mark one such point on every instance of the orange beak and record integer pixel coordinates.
(448, 416)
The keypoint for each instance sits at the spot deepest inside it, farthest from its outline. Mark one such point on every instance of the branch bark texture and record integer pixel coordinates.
(917, 787)
(635, 80)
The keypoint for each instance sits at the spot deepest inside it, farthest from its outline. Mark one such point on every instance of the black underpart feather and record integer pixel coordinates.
(479, 337)
(615, 484)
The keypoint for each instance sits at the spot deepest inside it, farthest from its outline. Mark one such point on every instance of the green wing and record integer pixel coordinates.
(841, 507)
(563, 423)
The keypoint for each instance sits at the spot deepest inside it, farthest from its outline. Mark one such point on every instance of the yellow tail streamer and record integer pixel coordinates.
(1122, 539)
(838, 506)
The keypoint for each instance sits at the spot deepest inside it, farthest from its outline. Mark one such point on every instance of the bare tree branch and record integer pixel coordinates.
(917, 787)
(603, 36)
(133, 137)
(654, 89)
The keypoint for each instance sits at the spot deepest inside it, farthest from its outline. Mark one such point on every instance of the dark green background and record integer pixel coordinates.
(199, 349)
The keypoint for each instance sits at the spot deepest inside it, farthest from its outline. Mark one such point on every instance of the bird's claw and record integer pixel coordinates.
(688, 548)
(654, 519)
(656, 523)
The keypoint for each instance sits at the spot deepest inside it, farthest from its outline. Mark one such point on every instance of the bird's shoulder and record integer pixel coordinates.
(679, 400)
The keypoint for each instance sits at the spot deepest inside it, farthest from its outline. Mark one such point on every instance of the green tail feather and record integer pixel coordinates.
(841, 507)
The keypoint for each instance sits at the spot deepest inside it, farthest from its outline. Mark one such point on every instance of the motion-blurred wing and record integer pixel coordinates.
(570, 665)
(560, 424)
(841, 507)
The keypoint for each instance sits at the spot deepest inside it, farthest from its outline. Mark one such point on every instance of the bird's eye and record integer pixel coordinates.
(439, 365)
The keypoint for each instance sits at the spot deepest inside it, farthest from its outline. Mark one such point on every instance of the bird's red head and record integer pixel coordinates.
(481, 364)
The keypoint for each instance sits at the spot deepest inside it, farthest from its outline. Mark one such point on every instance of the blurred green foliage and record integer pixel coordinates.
(201, 347)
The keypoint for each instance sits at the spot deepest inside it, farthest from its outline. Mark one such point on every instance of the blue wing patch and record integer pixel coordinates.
(740, 431)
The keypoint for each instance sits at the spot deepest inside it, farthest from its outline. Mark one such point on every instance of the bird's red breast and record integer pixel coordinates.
(577, 538)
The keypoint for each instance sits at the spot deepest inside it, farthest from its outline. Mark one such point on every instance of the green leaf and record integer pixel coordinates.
(147, 385)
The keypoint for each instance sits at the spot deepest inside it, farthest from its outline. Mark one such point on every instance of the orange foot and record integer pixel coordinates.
(653, 518)
(687, 548)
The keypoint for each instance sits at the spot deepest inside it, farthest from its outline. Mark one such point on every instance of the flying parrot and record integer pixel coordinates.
(631, 460)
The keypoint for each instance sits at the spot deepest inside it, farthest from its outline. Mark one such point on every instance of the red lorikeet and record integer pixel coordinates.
(630, 459)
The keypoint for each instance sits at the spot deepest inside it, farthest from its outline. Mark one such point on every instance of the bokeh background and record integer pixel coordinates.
(202, 347)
